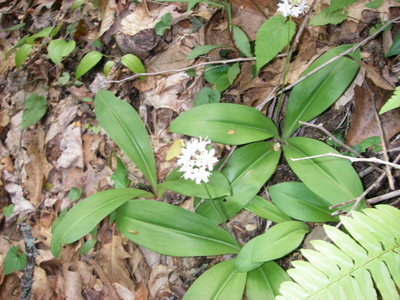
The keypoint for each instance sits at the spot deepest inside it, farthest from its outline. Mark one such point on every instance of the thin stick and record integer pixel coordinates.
(370, 188)
(333, 138)
(333, 59)
(30, 249)
(384, 197)
(352, 159)
(226, 61)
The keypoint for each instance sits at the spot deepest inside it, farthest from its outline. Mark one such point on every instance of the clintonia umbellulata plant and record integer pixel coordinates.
(229, 186)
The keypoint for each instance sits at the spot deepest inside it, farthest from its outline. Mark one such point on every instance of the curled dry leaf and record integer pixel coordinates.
(71, 146)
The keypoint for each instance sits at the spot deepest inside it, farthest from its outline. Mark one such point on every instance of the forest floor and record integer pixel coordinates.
(67, 149)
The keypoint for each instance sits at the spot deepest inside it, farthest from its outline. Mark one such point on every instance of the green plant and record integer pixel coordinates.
(360, 266)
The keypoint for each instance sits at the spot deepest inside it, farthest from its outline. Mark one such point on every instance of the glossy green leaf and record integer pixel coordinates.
(87, 246)
(263, 282)
(34, 109)
(133, 63)
(267, 210)
(87, 63)
(201, 50)
(120, 175)
(8, 210)
(279, 240)
(319, 91)
(392, 103)
(58, 49)
(217, 185)
(233, 72)
(164, 24)
(22, 54)
(297, 201)
(331, 178)
(271, 38)
(74, 194)
(45, 32)
(242, 41)
(126, 129)
(14, 261)
(206, 96)
(217, 75)
(225, 123)
(221, 282)
(247, 170)
(84, 216)
(107, 67)
(171, 230)
(395, 48)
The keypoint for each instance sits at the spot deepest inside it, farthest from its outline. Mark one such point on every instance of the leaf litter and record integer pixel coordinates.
(66, 149)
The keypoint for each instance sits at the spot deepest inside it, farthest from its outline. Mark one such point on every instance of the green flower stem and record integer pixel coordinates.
(221, 213)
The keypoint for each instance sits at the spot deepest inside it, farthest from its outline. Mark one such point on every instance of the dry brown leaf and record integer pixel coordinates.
(111, 257)
(71, 146)
(377, 78)
(363, 122)
(108, 11)
(37, 167)
(41, 289)
(123, 292)
(158, 280)
(142, 293)
(72, 284)
(355, 10)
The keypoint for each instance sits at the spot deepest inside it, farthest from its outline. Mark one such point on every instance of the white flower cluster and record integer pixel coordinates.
(196, 161)
(293, 8)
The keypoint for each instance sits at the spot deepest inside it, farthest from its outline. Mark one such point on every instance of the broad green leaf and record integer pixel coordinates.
(76, 4)
(328, 16)
(14, 261)
(267, 210)
(395, 48)
(171, 230)
(107, 67)
(120, 175)
(22, 54)
(200, 50)
(263, 282)
(8, 210)
(87, 63)
(271, 38)
(164, 24)
(217, 75)
(319, 91)
(296, 200)
(84, 216)
(392, 103)
(278, 241)
(34, 109)
(207, 96)
(45, 32)
(242, 41)
(133, 63)
(233, 72)
(221, 282)
(74, 194)
(127, 130)
(58, 49)
(331, 178)
(247, 170)
(217, 185)
(225, 123)
(87, 246)
(12, 28)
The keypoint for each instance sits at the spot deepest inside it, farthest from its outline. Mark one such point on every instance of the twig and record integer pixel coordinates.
(352, 159)
(384, 197)
(293, 46)
(384, 144)
(333, 59)
(333, 138)
(370, 188)
(226, 61)
(30, 249)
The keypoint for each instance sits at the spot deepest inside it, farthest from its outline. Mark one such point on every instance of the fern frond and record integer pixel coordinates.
(365, 265)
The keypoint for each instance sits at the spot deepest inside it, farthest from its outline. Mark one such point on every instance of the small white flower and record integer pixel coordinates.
(196, 161)
(293, 8)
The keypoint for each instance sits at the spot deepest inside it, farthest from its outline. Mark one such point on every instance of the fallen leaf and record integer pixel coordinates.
(159, 279)
(71, 146)
(142, 293)
(108, 11)
(41, 287)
